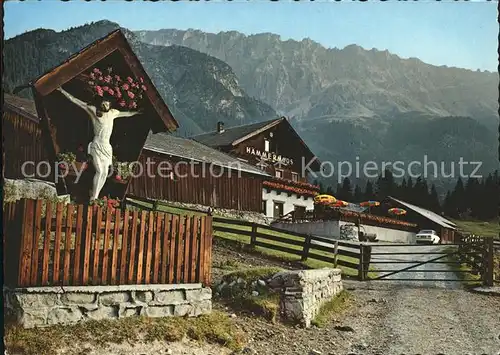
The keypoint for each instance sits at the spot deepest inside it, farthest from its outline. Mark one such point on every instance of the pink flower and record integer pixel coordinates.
(141, 80)
(132, 104)
(130, 80)
(107, 79)
(117, 78)
(99, 90)
(143, 87)
(118, 93)
(92, 76)
(111, 92)
(122, 103)
(101, 78)
(106, 88)
(130, 94)
(125, 86)
(97, 71)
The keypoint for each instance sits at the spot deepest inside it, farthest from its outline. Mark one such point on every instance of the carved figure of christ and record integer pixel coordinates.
(100, 149)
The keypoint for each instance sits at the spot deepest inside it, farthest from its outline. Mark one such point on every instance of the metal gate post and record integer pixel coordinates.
(488, 262)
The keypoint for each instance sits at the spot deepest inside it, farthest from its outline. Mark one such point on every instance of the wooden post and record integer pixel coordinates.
(85, 236)
(366, 262)
(253, 237)
(488, 262)
(335, 253)
(361, 271)
(307, 246)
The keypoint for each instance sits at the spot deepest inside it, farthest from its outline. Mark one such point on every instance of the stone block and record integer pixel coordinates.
(159, 311)
(199, 295)
(143, 296)
(34, 300)
(182, 310)
(78, 298)
(171, 297)
(34, 317)
(114, 298)
(64, 315)
(203, 307)
(103, 312)
(129, 311)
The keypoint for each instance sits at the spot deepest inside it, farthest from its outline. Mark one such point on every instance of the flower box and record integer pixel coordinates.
(289, 188)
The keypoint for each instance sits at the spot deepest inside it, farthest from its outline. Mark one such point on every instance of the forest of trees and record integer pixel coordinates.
(472, 198)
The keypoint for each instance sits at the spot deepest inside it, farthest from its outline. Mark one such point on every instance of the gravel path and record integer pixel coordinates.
(394, 317)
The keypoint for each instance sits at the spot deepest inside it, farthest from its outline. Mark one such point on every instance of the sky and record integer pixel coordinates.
(459, 34)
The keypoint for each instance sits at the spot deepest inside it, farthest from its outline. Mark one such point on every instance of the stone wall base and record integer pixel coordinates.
(303, 292)
(45, 306)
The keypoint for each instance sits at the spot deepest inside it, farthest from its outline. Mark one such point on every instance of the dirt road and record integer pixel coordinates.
(396, 317)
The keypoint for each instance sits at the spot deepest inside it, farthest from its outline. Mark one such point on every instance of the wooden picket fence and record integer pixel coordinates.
(48, 244)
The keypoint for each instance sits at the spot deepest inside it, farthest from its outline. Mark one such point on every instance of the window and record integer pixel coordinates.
(278, 210)
(266, 145)
(295, 177)
(279, 173)
(264, 207)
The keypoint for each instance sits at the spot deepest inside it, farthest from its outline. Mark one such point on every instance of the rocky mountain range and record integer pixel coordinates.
(199, 89)
(305, 80)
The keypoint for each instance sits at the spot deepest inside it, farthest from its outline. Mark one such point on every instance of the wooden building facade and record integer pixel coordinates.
(276, 148)
(23, 148)
(189, 172)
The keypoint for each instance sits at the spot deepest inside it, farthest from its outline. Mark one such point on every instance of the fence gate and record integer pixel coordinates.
(433, 263)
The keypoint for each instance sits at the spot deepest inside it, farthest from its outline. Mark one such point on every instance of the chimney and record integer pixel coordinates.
(220, 127)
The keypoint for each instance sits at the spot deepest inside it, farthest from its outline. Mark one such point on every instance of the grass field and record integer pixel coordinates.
(481, 228)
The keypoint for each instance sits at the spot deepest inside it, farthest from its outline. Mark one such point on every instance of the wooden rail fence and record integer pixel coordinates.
(48, 244)
(303, 245)
(478, 253)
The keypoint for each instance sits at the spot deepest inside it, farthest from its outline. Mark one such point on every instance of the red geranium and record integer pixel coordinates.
(126, 94)
(290, 188)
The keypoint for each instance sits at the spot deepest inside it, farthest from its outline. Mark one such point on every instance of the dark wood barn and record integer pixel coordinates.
(187, 171)
(23, 148)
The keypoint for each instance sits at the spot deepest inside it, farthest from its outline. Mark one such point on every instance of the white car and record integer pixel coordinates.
(427, 236)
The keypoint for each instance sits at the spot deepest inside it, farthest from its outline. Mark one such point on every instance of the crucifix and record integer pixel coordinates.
(102, 116)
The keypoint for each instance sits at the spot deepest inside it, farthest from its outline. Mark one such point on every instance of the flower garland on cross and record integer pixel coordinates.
(126, 93)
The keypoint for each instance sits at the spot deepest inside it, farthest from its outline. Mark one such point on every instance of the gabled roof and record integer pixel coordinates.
(434, 217)
(234, 135)
(21, 105)
(93, 53)
(189, 149)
